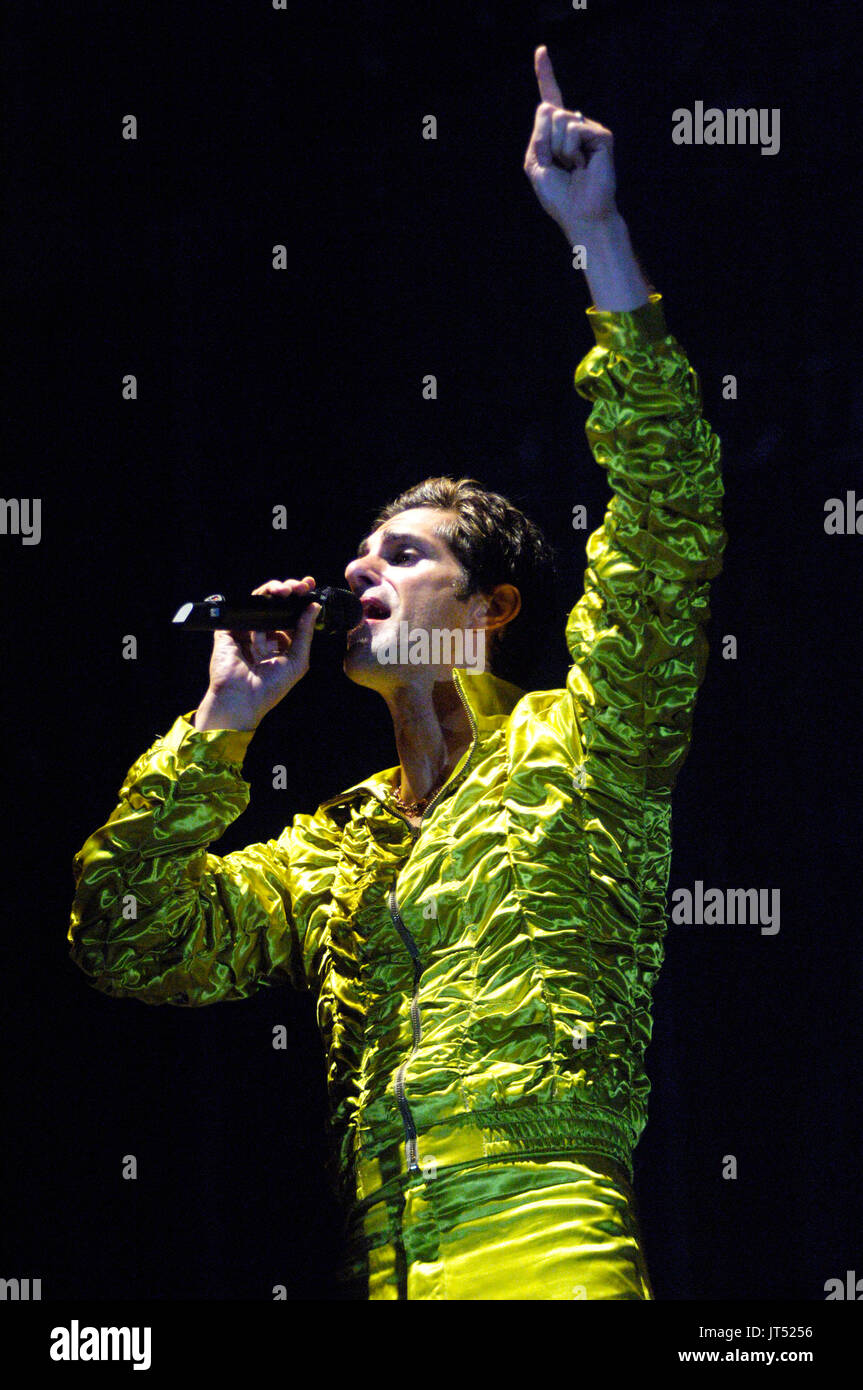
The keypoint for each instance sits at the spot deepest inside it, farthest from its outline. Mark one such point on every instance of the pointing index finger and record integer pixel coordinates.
(548, 88)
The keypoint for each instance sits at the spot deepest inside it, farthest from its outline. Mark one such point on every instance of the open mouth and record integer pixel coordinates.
(374, 611)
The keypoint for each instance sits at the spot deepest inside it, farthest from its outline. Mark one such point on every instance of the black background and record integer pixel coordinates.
(302, 387)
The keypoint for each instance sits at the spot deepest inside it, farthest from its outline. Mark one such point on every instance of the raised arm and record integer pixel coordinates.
(637, 635)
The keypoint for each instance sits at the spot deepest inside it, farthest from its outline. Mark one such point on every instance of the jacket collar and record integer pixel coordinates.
(488, 700)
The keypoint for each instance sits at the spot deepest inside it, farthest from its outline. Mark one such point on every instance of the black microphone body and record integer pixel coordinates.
(340, 611)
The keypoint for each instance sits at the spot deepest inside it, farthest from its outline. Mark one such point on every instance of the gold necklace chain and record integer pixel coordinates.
(413, 808)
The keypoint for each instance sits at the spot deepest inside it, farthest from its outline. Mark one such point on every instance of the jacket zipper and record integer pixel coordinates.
(410, 1128)
(416, 1029)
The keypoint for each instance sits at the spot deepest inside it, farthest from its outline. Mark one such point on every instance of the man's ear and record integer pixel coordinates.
(501, 605)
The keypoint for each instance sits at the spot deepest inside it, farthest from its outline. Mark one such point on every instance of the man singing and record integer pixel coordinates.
(482, 925)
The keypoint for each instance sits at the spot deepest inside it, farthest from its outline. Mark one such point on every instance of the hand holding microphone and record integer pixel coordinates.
(250, 672)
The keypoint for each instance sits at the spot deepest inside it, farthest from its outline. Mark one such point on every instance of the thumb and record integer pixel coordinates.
(305, 626)
(304, 632)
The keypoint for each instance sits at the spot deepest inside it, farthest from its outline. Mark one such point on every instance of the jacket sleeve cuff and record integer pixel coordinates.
(206, 745)
(625, 329)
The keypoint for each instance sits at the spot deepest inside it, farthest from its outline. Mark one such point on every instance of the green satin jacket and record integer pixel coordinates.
(483, 984)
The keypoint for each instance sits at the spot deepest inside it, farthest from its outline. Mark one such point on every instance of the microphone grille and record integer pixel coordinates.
(342, 610)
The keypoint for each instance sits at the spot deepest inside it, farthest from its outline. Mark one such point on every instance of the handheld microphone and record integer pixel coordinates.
(340, 611)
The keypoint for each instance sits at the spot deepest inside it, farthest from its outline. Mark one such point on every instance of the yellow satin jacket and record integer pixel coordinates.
(483, 983)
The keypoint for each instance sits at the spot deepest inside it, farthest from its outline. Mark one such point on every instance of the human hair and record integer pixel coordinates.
(495, 543)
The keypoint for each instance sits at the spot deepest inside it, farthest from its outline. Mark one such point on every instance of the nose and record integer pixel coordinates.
(358, 571)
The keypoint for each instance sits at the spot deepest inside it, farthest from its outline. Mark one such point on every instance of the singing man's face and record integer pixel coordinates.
(414, 575)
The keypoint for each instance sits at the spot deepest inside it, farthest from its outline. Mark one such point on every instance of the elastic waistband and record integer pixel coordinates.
(460, 1145)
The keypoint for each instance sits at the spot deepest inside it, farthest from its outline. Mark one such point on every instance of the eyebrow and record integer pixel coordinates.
(398, 536)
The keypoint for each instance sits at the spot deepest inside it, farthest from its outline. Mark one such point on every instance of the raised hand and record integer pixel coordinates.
(569, 160)
(250, 672)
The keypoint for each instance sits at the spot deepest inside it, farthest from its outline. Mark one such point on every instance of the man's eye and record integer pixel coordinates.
(400, 553)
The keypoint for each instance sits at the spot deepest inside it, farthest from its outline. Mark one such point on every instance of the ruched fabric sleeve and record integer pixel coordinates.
(158, 918)
(637, 636)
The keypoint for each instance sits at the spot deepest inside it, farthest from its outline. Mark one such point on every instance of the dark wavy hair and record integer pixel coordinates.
(495, 543)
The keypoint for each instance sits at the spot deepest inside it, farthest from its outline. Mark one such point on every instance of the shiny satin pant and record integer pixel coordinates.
(548, 1228)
